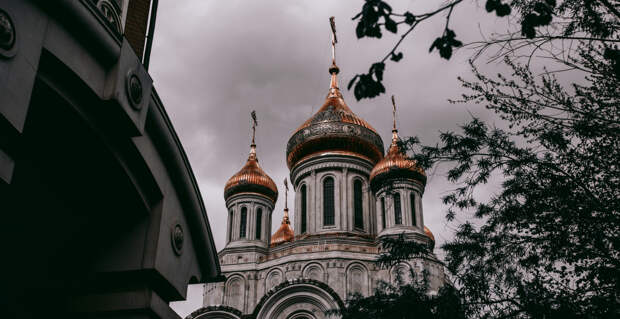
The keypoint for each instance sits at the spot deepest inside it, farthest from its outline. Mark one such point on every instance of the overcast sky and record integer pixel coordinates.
(215, 61)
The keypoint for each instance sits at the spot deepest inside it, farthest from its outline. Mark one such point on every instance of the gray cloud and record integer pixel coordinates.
(213, 62)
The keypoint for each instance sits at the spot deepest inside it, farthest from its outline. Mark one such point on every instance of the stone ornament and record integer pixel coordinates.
(134, 90)
(8, 35)
(177, 238)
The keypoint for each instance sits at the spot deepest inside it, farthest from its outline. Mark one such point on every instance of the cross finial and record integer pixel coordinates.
(393, 113)
(285, 194)
(333, 69)
(332, 23)
(254, 125)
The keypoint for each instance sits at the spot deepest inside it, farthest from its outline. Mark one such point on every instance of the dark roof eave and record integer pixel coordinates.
(184, 180)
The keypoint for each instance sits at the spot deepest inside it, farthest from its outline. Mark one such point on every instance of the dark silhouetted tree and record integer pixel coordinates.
(546, 243)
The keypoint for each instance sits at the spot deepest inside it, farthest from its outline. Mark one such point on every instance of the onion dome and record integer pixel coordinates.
(395, 165)
(429, 234)
(251, 179)
(334, 129)
(285, 233)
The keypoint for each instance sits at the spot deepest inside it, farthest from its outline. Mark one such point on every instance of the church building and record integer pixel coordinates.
(347, 196)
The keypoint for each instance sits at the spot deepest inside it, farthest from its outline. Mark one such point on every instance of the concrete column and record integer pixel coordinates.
(345, 210)
(378, 214)
(406, 209)
(251, 221)
(420, 213)
(314, 199)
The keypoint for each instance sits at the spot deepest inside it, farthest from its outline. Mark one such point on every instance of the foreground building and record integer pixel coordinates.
(348, 196)
(101, 213)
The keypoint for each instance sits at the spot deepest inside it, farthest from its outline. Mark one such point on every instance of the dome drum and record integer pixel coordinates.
(389, 174)
(244, 187)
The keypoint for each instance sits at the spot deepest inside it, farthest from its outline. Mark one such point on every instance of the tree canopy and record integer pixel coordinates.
(546, 243)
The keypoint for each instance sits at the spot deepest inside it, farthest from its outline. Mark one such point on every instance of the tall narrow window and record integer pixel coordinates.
(357, 204)
(230, 225)
(383, 212)
(243, 222)
(328, 201)
(398, 217)
(304, 207)
(414, 222)
(259, 222)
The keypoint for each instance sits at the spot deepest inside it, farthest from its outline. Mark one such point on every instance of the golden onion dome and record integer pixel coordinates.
(285, 233)
(395, 165)
(429, 234)
(334, 129)
(251, 179)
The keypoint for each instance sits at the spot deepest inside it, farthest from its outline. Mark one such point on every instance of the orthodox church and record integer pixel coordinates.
(347, 196)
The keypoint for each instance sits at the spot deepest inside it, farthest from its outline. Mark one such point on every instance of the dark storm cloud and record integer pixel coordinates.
(213, 62)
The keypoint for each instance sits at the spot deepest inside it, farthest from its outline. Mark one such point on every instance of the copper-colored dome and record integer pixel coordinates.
(284, 233)
(429, 234)
(251, 179)
(395, 164)
(334, 128)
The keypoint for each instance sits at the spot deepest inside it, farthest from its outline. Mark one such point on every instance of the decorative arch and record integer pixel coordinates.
(358, 203)
(215, 312)
(328, 194)
(303, 193)
(314, 271)
(402, 272)
(296, 298)
(234, 291)
(243, 221)
(357, 279)
(274, 277)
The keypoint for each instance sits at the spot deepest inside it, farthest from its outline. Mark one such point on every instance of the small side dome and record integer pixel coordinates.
(251, 179)
(395, 165)
(285, 233)
(429, 234)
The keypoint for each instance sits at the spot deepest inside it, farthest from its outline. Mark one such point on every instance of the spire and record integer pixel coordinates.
(333, 69)
(253, 145)
(285, 194)
(285, 233)
(285, 219)
(394, 130)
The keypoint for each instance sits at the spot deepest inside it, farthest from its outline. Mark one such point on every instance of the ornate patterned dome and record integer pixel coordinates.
(395, 165)
(284, 233)
(334, 129)
(251, 179)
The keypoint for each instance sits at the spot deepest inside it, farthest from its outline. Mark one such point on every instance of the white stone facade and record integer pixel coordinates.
(325, 264)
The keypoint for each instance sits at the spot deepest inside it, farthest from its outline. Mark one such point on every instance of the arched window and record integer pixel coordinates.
(414, 221)
(259, 222)
(357, 204)
(328, 201)
(398, 217)
(243, 222)
(230, 223)
(383, 212)
(304, 207)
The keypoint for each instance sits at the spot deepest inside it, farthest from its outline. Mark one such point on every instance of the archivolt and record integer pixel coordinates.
(280, 298)
(215, 312)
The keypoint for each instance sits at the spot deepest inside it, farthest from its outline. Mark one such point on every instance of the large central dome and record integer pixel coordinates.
(334, 129)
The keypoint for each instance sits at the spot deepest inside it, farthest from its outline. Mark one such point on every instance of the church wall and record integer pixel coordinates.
(346, 273)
